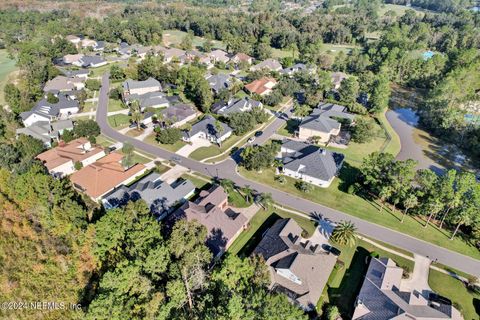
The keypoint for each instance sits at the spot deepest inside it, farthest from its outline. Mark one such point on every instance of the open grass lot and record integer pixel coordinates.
(175, 37)
(466, 301)
(262, 220)
(170, 147)
(115, 105)
(7, 66)
(335, 197)
(119, 121)
(346, 279)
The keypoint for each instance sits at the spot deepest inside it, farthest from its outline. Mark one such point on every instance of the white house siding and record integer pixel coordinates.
(66, 112)
(93, 158)
(63, 170)
(33, 118)
(315, 181)
(141, 91)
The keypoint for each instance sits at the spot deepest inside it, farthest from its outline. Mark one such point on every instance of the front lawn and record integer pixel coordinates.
(466, 301)
(170, 147)
(215, 150)
(335, 197)
(289, 128)
(119, 121)
(198, 182)
(115, 105)
(237, 200)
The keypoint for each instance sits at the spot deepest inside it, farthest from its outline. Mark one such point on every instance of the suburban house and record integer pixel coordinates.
(310, 163)
(337, 78)
(294, 69)
(381, 297)
(72, 58)
(85, 43)
(99, 178)
(60, 161)
(62, 83)
(219, 56)
(46, 111)
(262, 86)
(81, 73)
(241, 57)
(269, 64)
(179, 114)
(155, 99)
(211, 209)
(90, 62)
(46, 131)
(297, 267)
(197, 56)
(74, 39)
(99, 46)
(206, 129)
(140, 87)
(171, 54)
(160, 196)
(238, 105)
(219, 82)
(322, 122)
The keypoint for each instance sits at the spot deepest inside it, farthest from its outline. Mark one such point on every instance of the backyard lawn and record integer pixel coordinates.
(335, 197)
(249, 238)
(7, 66)
(466, 301)
(119, 121)
(170, 147)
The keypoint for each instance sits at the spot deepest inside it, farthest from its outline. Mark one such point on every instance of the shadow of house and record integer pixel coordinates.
(216, 240)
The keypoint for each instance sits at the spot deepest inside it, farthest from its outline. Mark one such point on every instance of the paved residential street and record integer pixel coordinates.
(227, 169)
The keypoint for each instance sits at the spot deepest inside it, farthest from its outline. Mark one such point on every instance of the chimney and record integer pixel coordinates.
(323, 152)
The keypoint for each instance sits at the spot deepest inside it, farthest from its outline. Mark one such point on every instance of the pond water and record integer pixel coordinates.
(417, 144)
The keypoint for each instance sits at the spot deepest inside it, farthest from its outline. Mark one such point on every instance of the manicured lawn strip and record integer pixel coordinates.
(258, 220)
(134, 132)
(199, 183)
(393, 145)
(213, 150)
(118, 121)
(115, 105)
(466, 301)
(403, 251)
(7, 66)
(170, 147)
(104, 141)
(365, 209)
(237, 200)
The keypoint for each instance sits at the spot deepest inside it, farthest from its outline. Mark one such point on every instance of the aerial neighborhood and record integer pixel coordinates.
(250, 160)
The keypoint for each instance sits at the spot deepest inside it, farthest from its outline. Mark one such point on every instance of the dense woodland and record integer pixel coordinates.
(108, 261)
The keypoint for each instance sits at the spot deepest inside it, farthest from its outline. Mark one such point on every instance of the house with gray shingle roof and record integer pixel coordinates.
(238, 105)
(46, 131)
(310, 163)
(90, 62)
(219, 56)
(294, 69)
(179, 114)
(160, 196)
(46, 111)
(140, 87)
(155, 99)
(218, 82)
(298, 267)
(268, 64)
(205, 129)
(381, 297)
(322, 122)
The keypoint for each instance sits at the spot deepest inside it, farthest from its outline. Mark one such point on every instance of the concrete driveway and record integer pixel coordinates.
(418, 280)
(189, 148)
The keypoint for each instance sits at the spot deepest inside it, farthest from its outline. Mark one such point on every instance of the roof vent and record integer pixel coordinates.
(323, 152)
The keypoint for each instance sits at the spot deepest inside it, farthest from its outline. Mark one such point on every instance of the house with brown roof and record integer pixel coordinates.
(298, 267)
(337, 78)
(268, 64)
(104, 175)
(62, 83)
(262, 86)
(60, 161)
(242, 57)
(212, 210)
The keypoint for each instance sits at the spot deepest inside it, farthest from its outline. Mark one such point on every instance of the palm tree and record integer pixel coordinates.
(265, 200)
(410, 202)
(345, 233)
(136, 113)
(227, 184)
(247, 193)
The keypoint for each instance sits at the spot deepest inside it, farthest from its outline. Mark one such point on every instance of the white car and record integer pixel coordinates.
(251, 139)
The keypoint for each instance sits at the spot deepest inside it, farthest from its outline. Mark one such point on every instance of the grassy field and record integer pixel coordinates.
(335, 197)
(115, 105)
(175, 37)
(263, 219)
(398, 9)
(466, 301)
(119, 121)
(7, 66)
(170, 147)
